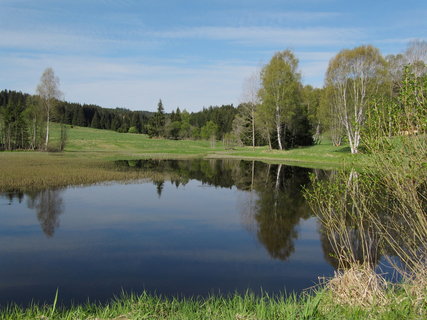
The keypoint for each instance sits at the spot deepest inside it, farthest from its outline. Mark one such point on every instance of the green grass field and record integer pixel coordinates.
(113, 145)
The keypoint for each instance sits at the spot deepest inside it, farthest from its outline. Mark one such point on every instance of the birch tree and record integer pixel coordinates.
(251, 102)
(354, 76)
(416, 56)
(280, 92)
(48, 90)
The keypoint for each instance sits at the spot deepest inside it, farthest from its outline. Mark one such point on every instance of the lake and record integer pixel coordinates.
(201, 227)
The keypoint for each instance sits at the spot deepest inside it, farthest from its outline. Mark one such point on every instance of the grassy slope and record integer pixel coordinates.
(112, 145)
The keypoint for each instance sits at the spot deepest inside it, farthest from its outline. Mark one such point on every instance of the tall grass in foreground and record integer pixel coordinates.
(247, 307)
(382, 211)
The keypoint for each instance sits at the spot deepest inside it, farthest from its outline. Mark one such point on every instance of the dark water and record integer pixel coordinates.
(203, 227)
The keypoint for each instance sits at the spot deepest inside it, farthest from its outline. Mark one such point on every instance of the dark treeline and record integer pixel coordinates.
(15, 103)
(22, 120)
(119, 119)
(210, 123)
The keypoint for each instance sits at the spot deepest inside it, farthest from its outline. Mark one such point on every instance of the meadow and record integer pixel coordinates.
(89, 155)
(108, 144)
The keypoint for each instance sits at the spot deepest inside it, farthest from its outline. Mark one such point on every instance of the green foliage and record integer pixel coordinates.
(173, 130)
(222, 116)
(353, 78)
(15, 120)
(283, 113)
(391, 121)
(96, 121)
(133, 130)
(230, 141)
(156, 125)
(382, 210)
(209, 130)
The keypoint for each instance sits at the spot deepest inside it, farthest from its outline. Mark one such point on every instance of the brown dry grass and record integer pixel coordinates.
(34, 171)
(357, 286)
(416, 289)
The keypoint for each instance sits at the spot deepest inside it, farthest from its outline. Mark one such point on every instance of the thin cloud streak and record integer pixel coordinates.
(259, 36)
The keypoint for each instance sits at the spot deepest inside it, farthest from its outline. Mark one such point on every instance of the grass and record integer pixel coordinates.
(112, 145)
(248, 307)
(89, 153)
(26, 171)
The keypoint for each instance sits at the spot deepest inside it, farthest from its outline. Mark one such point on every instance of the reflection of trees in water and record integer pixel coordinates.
(48, 205)
(273, 205)
(348, 239)
(11, 196)
(361, 222)
(280, 207)
(355, 245)
(159, 187)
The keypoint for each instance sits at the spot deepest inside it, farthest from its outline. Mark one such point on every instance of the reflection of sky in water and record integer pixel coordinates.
(189, 241)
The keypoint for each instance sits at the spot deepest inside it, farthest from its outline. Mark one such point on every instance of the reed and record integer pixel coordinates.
(25, 171)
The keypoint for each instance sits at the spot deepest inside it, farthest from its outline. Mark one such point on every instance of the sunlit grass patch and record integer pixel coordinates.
(319, 305)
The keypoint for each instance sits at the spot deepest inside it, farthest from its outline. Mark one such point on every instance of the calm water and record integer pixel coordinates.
(203, 227)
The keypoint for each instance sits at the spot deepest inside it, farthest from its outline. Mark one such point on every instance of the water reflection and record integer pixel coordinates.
(274, 208)
(197, 227)
(47, 204)
(362, 223)
(272, 211)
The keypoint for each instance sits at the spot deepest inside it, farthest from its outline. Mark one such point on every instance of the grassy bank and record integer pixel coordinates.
(112, 145)
(89, 154)
(248, 307)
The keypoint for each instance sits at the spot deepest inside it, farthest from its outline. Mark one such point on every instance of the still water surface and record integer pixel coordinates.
(203, 227)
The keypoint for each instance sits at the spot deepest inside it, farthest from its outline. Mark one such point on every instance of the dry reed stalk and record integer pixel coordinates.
(358, 286)
(416, 289)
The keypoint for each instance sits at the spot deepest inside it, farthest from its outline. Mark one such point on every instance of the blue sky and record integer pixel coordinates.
(192, 53)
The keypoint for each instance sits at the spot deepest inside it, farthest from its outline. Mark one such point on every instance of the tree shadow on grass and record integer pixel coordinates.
(343, 149)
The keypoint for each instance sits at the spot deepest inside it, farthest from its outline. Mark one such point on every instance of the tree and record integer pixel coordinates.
(311, 98)
(416, 56)
(48, 90)
(96, 121)
(185, 130)
(354, 76)
(209, 130)
(280, 92)
(247, 110)
(156, 125)
(136, 121)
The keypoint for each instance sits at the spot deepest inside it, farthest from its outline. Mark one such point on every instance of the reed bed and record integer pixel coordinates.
(24, 171)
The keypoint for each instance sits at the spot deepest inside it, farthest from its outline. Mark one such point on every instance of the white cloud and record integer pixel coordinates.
(259, 36)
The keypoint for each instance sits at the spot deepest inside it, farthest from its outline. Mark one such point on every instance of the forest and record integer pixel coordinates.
(277, 109)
